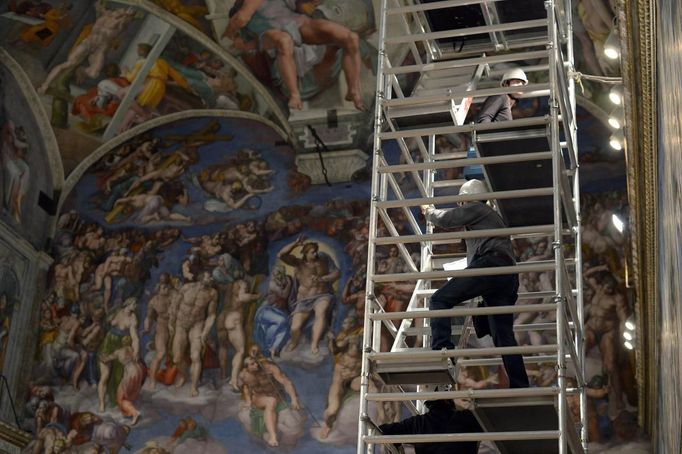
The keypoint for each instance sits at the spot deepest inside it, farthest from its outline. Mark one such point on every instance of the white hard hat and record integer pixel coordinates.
(473, 187)
(514, 74)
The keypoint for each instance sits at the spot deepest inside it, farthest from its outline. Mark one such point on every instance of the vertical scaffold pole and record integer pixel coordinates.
(362, 448)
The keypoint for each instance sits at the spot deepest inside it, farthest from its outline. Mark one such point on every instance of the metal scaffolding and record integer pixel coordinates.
(436, 60)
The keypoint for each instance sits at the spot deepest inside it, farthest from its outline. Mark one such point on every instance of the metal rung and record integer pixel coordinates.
(527, 359)
(458, 329)
(534, 327)
(453, 155)
(434, 5)
(444, 106)
(526, 69)
(515, 42)
(425, 355)
(445, 438)
(463, 394)
(525, 267)
(503, 136)
(521, 25)
(443, 200)
(423, 293)
(463, 311)
(461, 63)
(456, 163)
(442, 130)
(527, 90)
(448, 183)
(508, 231)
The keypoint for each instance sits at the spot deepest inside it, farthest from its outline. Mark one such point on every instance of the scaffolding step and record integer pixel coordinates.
(418, 372)
(516, 414)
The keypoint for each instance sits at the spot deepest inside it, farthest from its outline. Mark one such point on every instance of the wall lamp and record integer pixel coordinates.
(617, 117)
(629, 333)
(616, 95)
(612, 45)
(617, 140)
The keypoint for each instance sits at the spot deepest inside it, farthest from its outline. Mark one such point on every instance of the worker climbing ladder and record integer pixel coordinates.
(437, 61)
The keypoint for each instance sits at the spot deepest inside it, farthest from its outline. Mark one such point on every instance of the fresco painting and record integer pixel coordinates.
(115, 55)
(24, 171)
(10, 292)
(303, 48)
(184, 285)
(200, 301)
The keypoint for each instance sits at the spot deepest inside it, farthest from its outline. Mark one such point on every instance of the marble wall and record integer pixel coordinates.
(669, 405)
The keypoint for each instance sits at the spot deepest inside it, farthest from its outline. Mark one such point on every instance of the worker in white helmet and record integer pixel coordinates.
(499, 107)
(496, 290)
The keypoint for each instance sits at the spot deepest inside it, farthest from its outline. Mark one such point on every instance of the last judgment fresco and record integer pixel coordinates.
(206, 298)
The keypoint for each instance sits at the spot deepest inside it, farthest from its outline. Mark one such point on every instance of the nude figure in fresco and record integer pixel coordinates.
(108, 26)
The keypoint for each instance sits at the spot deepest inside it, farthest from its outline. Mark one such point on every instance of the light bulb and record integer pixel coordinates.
(617, 140)
(617, 223)
(629, 345)
(612, 45)
(616, 96)
(616, 118)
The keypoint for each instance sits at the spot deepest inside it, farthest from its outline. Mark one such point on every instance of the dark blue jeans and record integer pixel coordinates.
(500, 290)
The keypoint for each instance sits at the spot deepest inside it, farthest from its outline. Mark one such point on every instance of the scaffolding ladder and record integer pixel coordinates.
(436, 60)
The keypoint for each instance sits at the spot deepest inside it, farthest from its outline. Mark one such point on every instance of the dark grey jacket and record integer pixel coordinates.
(496, 108)
(475, 216)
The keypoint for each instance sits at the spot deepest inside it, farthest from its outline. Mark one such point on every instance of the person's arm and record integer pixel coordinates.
(595, 269)
(72, 335)
(151, 315)
(457, 216)
(243, 296)
(285, 254)
(242, 17)
(491, 107)
(333, 275)
(247, 395)
(597, 393)
(134, 337)
(208, 324)
(282, 379)
(235, 205)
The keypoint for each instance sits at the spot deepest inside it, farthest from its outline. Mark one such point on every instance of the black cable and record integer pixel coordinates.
(319, 146)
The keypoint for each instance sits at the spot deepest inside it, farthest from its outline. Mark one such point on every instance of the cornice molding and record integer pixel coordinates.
(638, 24)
